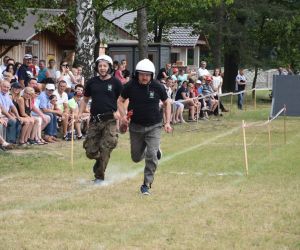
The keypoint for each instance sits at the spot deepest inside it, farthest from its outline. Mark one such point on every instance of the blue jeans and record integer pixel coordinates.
(13, 130)
(51, 128)
(240, 100)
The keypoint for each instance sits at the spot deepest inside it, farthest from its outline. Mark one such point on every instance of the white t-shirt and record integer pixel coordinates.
(61, 99)
(217, 81)
(203, 72)
(67, 78)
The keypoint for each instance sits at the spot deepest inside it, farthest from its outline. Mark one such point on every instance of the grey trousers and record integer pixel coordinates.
(144, 145)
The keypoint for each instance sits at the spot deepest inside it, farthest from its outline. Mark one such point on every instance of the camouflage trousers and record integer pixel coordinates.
(101, 139)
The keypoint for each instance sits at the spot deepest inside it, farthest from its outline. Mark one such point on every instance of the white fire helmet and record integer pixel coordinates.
(145, 65)
(105, 58)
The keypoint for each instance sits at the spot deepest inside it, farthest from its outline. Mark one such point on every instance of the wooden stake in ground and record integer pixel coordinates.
(284, 123)
(254, 99)
(72, 141)
(245, 94)
(245, 147)
(269, 132)
(231, 97)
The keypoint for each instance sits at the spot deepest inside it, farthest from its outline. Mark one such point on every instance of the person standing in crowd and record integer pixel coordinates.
(78, 75)
(52, 69)
(24, 72)
(240, 81)
(43, 72)
(34, 66)
(119, 74)
(114, 67)
(125, 72)
(217, 83)
(64, 73)
(3, 65)
(144, 96)
(202, 71)
(102, 137)
(164, 73)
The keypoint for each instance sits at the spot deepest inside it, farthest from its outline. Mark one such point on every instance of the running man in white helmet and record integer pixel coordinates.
(102, 137)
(144, 95)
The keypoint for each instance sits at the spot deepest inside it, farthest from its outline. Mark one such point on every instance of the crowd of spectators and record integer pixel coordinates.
(195, 91)
(38, 104)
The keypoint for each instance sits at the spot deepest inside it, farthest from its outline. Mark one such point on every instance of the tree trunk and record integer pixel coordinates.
(85, 36)
(142, 33)
(231, 66)
(97, 37)
(217, 48)
(254, 80)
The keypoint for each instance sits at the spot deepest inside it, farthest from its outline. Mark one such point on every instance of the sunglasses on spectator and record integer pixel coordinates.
(65, 65)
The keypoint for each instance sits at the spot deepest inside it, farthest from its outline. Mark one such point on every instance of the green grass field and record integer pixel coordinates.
(201, 198)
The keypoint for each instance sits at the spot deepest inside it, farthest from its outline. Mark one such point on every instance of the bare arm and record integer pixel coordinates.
(167, 110)
(83, 104)
(21, 104)
(121, 106)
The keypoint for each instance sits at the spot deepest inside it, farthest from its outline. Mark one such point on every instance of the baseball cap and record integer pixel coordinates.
(27, 56)
(50, 86)
(199, 82)
(16, 85)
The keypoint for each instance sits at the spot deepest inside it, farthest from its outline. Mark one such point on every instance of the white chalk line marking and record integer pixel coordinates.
(119, 177)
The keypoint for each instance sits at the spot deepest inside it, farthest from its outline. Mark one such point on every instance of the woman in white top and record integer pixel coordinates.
(217, 81)
(217, 86)
(64, 73)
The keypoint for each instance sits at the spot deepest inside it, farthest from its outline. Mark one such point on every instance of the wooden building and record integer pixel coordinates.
(44, 44)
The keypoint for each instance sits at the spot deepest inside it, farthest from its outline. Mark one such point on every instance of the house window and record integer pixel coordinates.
(28, 49)
(190, 57)
(174, 57)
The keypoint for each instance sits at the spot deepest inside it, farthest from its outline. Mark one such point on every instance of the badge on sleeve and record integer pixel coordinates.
(151, 94)
(109, 87)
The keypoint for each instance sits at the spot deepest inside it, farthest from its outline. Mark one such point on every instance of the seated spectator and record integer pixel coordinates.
(43, 84)
(208, 90)
(177, 107)
(28, 123)
(182, 95)
(47, 108)
(43, 119)
(10, 113)
(193, 94)
(62, 104)
(74, 108)
(26, 107)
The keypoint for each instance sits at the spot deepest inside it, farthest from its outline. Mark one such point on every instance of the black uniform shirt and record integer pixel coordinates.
(104, 94)
(179, 93)
(24, 73)
(144, 101)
